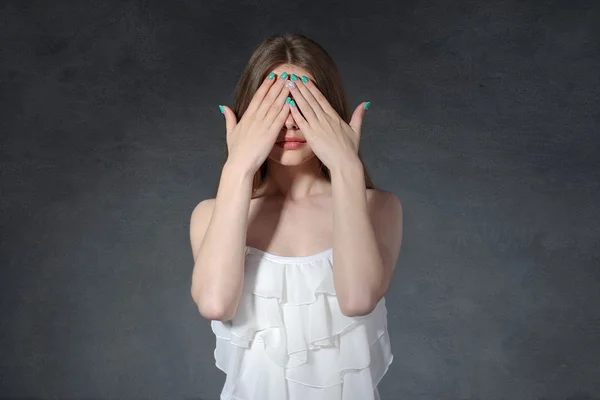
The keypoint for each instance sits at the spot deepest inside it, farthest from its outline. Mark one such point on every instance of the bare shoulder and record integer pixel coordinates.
(199, 221)
(202, 212)
(383, 201)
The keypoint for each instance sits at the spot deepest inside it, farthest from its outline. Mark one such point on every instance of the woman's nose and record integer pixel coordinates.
(290, 123)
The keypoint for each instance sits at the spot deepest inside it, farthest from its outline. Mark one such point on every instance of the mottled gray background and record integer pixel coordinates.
(485, 123)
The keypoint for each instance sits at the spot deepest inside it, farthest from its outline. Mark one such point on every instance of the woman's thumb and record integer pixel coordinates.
(230, 119)
(357, 116)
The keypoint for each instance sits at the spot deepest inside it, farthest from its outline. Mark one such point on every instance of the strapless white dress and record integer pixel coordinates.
(290, 341)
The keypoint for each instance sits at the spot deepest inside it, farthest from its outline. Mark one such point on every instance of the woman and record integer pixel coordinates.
(293, 256)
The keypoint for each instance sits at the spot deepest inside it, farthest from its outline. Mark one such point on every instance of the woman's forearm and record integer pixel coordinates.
(218, 274)
(358, 270)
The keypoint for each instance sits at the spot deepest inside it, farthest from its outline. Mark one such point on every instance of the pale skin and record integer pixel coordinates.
(297, 212)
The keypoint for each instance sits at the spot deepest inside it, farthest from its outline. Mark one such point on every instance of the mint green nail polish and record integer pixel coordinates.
(222, 109)
(294, 77)
(271, 75)
(292, 103)
(288, 100)
(367, 105)
(284, 75)
(304, 79)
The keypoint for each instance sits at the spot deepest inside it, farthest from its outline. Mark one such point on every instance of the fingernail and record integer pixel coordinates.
(367, 105)
(292, 103)
(222, 109)
(271, 75)
(304, 79)
(288, 100)
(294, 77)
(284, 75)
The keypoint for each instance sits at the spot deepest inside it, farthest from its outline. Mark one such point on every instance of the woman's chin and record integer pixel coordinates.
(290, 157)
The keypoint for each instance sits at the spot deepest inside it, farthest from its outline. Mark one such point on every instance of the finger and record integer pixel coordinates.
(304, 104)
(277, 105)
(302, 123)
(280, 119)
(271, 96)
(310, 100)
(357, 116)
(319, 97)
(261, 92)
(230, 119)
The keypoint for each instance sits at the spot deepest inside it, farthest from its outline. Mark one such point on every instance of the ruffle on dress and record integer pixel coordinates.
(290, 341)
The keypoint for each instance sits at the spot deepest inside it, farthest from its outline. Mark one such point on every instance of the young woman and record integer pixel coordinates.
(293, 256)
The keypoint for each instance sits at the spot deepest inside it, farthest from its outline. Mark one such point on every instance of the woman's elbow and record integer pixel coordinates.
(212, 310)
(357, 307)
(215, 314)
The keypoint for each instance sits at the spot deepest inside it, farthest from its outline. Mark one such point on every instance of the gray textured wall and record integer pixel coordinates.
(484, 122)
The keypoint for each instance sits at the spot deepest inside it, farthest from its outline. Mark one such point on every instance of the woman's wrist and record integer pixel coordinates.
(238, 171)
(350, 164)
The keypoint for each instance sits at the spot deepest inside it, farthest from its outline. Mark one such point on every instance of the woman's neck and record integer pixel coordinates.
(295, 181)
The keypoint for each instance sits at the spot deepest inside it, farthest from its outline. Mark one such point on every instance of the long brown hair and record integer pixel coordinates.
(301, 51)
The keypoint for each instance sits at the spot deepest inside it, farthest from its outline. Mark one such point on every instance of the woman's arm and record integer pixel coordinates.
(365, 245)
(218, 237)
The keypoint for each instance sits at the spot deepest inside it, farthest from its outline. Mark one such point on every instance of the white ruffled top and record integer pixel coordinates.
(290, 341)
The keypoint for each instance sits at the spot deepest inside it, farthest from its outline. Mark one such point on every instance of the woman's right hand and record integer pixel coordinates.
(250, 140)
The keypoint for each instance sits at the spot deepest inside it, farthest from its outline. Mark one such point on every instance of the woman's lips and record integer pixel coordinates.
(290, 145)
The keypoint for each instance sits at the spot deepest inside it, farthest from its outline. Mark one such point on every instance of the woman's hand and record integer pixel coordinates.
(250, 141)
(332, 140)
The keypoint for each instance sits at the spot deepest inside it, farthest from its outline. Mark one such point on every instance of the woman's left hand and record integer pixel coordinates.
(332, 140)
